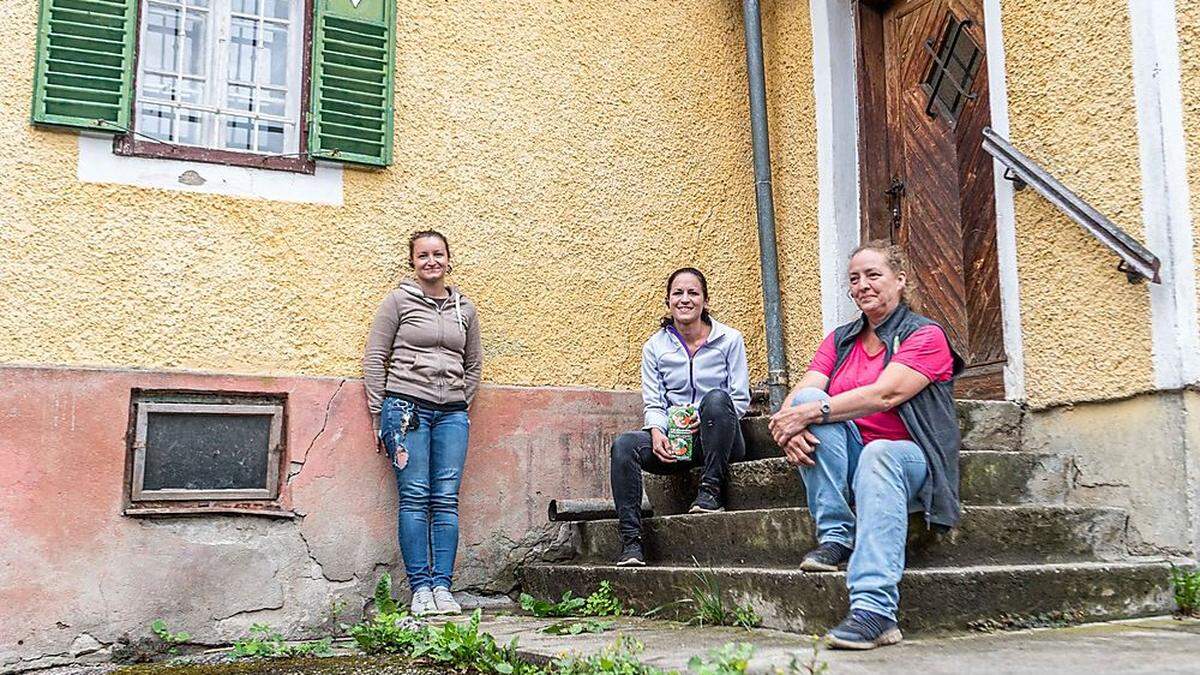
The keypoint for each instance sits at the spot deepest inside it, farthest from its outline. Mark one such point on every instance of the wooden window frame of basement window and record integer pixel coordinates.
(132, 145)
(139, 503)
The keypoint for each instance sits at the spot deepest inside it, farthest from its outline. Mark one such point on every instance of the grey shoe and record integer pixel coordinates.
(826, 557)
(445, 602)
(862, 629)
(422, 602)
(631, 555)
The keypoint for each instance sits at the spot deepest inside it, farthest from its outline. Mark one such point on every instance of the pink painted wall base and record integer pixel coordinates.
(76, 574)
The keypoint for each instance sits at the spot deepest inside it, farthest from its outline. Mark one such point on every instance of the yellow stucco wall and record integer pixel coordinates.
(1188, 15)
(574, 152)
(788, 51)
(1070, 92)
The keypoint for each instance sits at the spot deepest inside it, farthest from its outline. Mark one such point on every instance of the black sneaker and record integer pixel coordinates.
(826, 557)
(862, 629)
(631, 555)
(707, 501)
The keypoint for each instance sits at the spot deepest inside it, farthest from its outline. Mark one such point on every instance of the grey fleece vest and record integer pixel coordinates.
(930, 416)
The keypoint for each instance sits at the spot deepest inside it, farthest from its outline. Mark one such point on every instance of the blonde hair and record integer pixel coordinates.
(893, 255)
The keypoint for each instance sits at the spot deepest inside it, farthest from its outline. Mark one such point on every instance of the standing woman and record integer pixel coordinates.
(692, 359)
(421, 369)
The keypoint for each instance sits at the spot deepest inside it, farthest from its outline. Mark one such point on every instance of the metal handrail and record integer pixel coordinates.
(1137, 262)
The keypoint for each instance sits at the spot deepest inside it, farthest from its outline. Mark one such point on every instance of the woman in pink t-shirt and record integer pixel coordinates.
(846, 430)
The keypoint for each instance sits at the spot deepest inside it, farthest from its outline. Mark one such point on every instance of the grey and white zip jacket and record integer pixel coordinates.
(670, 377)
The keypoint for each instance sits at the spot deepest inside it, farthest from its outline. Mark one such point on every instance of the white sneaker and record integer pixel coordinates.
(445, 602)
(422, 602)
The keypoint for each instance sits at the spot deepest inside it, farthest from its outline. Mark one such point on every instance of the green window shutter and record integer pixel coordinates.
(352, 62)
(85, 63)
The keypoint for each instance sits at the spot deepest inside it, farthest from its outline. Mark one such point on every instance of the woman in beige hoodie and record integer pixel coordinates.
(421, 369)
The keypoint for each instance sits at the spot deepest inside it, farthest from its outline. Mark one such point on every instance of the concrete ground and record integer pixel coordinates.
(1152, 645)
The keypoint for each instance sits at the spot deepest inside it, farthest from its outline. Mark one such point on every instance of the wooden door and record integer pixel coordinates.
(926, 181)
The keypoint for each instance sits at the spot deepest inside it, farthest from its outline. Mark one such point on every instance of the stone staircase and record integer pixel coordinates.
(1021, 556)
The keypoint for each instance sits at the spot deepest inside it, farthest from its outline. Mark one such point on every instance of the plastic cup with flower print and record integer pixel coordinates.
(682, 423)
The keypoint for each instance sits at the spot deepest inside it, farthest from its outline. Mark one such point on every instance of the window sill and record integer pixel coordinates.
(130, 146)
(99, 164)
(186, 511)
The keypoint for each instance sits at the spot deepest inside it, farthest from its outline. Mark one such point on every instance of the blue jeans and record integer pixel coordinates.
(428, 486)
(882, 479)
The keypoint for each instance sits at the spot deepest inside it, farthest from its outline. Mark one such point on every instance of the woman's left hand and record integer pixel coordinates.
(788, 422)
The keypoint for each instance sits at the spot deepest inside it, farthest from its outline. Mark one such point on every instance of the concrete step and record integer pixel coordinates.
(780, 537)
(932, 600)
(986, 477)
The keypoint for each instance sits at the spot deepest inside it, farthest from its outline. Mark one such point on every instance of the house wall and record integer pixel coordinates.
(1086, 330)
(76, 574)
(574, 153)
(1188, 14)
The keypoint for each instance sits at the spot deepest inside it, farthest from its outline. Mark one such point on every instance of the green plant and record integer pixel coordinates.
(568, 606)
(814, 665)
(387, 634)
(384, 604)
(1187, 590)
(333, 616)
(263, 642)
(708, 606)
(732, 658)
(463, 647)
(577, 627)
(171, 640)
(620, 658)
(603, 602)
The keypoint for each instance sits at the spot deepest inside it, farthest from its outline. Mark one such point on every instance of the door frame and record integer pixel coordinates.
(843, 216)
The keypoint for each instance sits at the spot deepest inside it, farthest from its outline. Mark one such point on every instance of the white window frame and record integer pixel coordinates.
(216, 58)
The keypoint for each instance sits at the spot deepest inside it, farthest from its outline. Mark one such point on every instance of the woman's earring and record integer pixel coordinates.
(449, 268)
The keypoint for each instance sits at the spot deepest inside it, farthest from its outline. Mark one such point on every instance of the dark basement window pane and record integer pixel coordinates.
(202, 451)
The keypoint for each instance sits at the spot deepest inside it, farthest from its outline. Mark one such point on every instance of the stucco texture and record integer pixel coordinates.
(574, 153)
(1188, 14)
(788, 52)
(72, 567)
(1086, 330)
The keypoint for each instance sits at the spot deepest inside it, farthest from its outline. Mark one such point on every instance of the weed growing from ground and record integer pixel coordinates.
(732, 658)
(384, 604)
(709, 608)
(620, 658)
(1187, 590)
(602, 602)
(171, 640)
(266, 643)
(568, 606)
(813, 666)
(463, 647)
(387, 634)
(577, 627)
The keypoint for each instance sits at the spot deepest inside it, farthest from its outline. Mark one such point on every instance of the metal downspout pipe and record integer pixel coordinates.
(777, 375)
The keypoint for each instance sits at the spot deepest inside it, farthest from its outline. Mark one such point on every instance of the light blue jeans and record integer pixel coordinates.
(882, 480)
(428, 486)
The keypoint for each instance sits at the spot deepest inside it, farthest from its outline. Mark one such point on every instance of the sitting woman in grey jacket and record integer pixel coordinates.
(421, 369)
(693, 364)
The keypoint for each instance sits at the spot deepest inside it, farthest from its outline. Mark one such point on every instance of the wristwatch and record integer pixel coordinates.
(825, 412)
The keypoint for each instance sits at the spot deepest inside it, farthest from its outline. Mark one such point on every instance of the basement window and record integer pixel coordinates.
(197, 452)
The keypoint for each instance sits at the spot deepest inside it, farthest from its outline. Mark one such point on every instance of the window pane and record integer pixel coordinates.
(191, 91)
(162, 35)
(275, 39)
(191, 127)
(194, 39)
(240, 98)
(242, 50)
(273, 103)
(270, 137)
(245, 6)
(237, 133)
(159, 87)
(156, 121)
(278, 9)
(197, 3)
